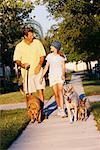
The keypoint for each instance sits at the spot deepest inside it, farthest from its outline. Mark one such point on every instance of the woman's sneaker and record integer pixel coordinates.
(59, 111)
(62, 113)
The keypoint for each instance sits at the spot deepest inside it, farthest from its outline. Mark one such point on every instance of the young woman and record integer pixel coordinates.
(56, 64)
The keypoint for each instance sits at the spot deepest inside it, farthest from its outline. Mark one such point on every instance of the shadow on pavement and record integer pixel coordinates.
(50, 109)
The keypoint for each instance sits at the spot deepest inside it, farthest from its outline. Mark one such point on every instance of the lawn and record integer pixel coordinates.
(16, 97)
(91, 87)
(12, 122)
(12, 97)
(96, 112)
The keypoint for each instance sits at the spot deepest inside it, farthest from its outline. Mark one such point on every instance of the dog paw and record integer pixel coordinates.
(39, 121)
(71, 121)
(86, 118)
(83, 119)
(75, 119)
(32, 121)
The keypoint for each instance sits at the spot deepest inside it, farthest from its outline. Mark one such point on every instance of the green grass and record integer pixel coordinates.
(68, 76)
(92, 87)
(96, 112)
(16, 97)
(13, 97)
(48, 93)
(12, 122)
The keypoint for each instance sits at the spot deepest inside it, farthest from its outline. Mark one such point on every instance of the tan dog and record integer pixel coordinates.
(84, 108)
(34, 108)
(71, 102)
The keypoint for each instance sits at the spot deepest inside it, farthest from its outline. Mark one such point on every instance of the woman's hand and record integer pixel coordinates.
(63, 77)
(41, 80)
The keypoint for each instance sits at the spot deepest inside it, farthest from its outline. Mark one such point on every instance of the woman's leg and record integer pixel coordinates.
(55, 89)
(60, 93)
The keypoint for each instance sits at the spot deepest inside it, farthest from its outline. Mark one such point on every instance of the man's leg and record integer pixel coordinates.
(41, 94)
(41, 97)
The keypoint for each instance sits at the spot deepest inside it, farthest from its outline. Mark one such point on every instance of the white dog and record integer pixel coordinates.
(71, 101)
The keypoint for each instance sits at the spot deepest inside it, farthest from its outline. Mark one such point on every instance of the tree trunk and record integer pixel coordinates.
(87, 65)
(98, 61)
(76, 66)
(90, 68)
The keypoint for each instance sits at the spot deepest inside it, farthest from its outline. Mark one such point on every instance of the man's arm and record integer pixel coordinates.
(37, 69)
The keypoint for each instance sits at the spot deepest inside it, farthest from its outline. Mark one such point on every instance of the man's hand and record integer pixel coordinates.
(37, 69)
(26, 66)
(23, 65)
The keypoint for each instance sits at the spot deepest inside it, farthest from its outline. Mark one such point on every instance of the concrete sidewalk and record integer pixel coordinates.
(57, 133)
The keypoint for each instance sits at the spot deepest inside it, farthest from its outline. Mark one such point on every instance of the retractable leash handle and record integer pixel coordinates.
(27, 80)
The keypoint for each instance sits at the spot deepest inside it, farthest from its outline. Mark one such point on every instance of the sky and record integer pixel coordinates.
(41, 16)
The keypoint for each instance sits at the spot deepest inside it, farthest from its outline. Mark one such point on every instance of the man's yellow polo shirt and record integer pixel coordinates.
(29, 54)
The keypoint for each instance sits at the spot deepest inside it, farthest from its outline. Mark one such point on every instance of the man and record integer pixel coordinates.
(29, 55)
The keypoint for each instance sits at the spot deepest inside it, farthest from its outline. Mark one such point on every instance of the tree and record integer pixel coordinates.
(11, 21)
(78, 29)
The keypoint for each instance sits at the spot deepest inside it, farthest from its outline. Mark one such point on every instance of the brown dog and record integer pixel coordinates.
(82, 110)
(34, 108)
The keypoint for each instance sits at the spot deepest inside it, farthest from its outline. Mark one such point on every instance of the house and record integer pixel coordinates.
(80, 66)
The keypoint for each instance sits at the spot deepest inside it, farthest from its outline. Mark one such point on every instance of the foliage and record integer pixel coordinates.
(78, 28)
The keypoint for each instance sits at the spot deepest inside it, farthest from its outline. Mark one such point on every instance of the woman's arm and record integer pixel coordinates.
(44, 71)
(63, 70)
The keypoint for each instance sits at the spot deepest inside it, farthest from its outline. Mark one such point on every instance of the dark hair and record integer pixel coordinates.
(61, 53)
(26, 30)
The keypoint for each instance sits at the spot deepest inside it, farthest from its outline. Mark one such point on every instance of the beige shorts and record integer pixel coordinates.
(33, 83)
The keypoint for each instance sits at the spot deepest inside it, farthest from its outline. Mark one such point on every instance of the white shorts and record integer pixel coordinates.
(55, 80)
(33, 83)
